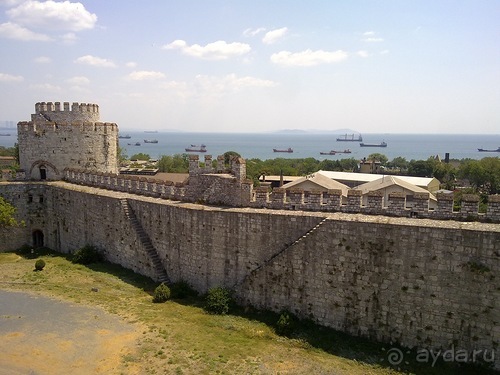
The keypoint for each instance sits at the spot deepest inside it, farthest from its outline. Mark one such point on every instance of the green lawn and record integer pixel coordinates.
(178, 337)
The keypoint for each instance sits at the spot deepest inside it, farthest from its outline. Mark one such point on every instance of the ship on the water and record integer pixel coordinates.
(485, 150)
(289, 150)
(4, 134)
(195, 148)
(333, 152)
(124, 136)
(350, 138)
(381, 144)
(150, 141)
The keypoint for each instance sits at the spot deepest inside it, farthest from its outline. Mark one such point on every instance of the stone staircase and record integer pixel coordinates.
(159, 269)
(281, 251)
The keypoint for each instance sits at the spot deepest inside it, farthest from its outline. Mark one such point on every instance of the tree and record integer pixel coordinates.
(177, 163)
(420, 168)
(483, 175)
(140, 156)
(7, 212)
(378, 157)
(121, 155)
(398, 163)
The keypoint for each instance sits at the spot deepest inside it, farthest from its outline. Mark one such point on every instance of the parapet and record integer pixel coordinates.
(52, 111)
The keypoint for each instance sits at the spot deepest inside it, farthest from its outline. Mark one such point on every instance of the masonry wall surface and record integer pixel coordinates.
(419, 282)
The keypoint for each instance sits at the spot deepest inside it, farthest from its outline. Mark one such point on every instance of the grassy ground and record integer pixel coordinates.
(178, 337)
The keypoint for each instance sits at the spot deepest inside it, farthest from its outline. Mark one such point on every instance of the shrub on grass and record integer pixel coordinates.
(39, 264)
(161, 294)
(217, 301)
(182, 289)
(87, 255)
(285, 324)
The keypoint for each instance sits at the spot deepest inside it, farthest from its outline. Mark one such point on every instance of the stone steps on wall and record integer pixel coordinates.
(147, 244)
(286, 248)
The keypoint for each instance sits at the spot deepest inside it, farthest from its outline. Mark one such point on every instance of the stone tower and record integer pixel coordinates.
(70, 137)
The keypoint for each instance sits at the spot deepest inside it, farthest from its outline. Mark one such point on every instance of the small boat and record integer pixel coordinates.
(124, 136)
(195, 148)
(485, 150)
(134, 144)
(381, 144)
(332, 152)
(289, 149)
(4, 134)
(350, 138)
(150, 141)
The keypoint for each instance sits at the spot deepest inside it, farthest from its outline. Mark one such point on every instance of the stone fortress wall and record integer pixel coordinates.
(417, 282)
(57, 138)
(413, 281)
(220, 185)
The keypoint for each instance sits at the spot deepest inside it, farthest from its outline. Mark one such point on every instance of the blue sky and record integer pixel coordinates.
(406, 66)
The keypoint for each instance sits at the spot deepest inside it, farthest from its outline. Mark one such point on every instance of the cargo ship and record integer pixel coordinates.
(350, 138)
(485, 150)
(289, 150)
(195, 148)
(381, 144)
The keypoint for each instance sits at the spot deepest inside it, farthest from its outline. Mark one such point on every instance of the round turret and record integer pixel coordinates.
(69, 137)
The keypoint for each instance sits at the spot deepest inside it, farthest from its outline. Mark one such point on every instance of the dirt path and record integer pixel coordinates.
(40, 335)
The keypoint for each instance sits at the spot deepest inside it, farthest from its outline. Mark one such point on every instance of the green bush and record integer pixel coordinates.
(217, 301)
(39, 264)
(286, 323)
(161, 294)
(182, 289)
(87, 255)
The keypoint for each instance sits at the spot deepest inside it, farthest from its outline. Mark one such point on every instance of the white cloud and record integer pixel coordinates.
(131, 64)
(42, 60)
(14, 31)
(371, 36)
(45, 87)
(308, 57)
(363, 54)
(384, 52)
(229, 83)
(78, 80)
(69, 38)
(144, 75)
(10, 78)
(253, 32)
(95, 61)
(219, 50)
(274, 35)
(53, 15)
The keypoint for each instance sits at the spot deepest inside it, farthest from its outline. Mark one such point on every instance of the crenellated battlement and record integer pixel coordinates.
(54, 112)
(63, 136)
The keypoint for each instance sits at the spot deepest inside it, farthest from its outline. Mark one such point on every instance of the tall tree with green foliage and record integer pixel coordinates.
(483, 175)
(7, 212)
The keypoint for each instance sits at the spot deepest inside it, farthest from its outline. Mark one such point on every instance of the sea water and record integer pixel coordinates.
(305, 145)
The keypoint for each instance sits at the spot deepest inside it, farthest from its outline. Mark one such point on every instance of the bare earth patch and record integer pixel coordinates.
(40, 335)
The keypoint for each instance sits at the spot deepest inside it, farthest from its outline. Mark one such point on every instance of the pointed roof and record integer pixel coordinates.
(388, 181)
(320, 180)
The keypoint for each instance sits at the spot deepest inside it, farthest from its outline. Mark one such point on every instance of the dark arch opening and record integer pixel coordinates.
(43, 173)
(37, 238)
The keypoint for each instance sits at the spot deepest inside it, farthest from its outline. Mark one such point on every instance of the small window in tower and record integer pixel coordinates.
(30, 198)
(40, 198)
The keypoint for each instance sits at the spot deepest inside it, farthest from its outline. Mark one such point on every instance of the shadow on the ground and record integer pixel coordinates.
(310, 334)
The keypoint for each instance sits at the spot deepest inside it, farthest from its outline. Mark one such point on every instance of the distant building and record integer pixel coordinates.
(393, 184)
(317, 182)
(430, 184)
(369, 166)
